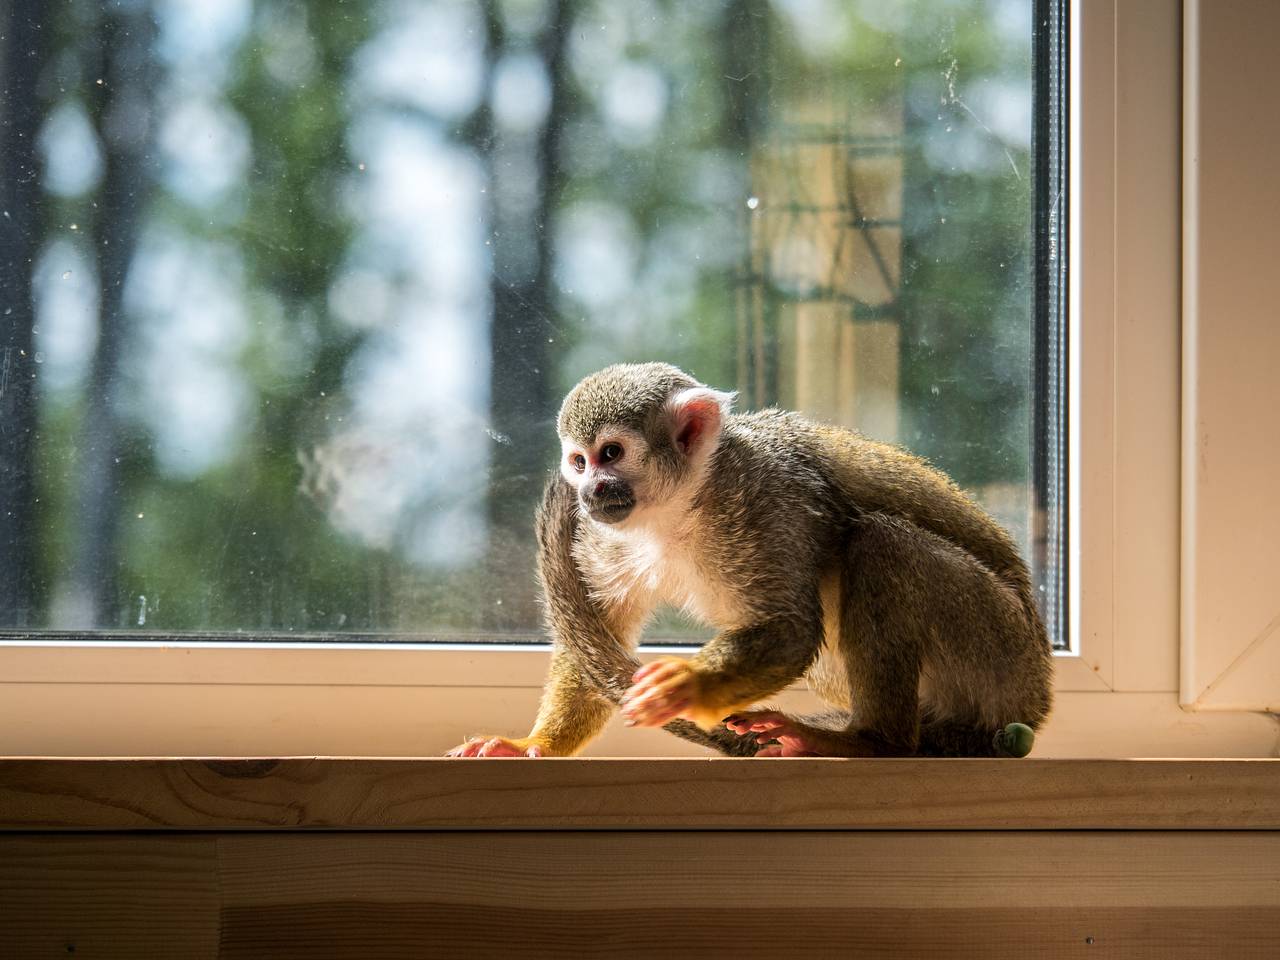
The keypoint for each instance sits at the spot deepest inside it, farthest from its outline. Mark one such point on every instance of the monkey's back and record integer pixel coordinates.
(870, 476)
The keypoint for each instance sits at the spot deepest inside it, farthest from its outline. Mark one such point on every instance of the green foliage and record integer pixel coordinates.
(240, 547)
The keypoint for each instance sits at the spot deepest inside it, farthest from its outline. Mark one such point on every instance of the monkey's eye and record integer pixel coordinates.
(579, 462)
(610, 452)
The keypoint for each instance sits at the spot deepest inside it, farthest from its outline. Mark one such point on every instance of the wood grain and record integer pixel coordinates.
(362, 931)
(333, 793)
(108, 896)
(375, 895)
(703, 871)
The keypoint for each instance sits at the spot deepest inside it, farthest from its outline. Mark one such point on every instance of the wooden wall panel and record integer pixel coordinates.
(673, 894)
(108, 896)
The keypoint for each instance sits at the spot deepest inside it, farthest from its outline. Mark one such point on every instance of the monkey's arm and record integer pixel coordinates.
(586, 634)
(572, 711)
(734, 670)
(570, 715)
(591, 668)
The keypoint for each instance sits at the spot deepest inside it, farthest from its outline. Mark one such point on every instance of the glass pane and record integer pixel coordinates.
(292, 288)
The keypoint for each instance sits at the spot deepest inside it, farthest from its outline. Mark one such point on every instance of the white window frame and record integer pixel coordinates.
(1124, 376)
(1231, 343)
(1116, 688)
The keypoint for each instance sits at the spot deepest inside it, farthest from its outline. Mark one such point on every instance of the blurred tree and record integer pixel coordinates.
(523, 322)
(120, 56)
(966, 287)
(655, 113)
(743, 50)
(23, 51)
(235, 546)
(279, 564)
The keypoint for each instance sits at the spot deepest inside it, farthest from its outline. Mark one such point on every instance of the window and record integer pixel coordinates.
(292, 289)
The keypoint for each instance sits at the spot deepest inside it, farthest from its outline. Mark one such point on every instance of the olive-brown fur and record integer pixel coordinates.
(827, 555)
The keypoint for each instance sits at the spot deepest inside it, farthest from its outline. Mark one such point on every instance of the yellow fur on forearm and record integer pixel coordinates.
(717, 697)
(709, 717)
(709, 707)
(570, 715)
(558, 744)
(709, 712)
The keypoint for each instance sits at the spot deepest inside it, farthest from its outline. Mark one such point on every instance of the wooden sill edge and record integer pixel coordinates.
(335, 793)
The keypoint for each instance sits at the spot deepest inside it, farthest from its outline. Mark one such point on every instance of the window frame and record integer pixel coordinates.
(1125, 262)
(1231, 522)
(1117, 685)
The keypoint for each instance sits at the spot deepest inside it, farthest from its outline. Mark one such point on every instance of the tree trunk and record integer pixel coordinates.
(743, 67)
(124, 118)
(522, 401)
(23, 47)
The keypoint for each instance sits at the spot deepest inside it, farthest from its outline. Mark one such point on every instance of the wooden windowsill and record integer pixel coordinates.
(38, 794)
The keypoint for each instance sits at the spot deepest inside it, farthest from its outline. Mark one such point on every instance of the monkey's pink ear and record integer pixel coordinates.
(697, 414)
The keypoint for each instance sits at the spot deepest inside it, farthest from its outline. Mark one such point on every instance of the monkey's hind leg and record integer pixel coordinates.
(953, 738)
(782, 735)
(881, 649)
(911, 599)
(902, 591)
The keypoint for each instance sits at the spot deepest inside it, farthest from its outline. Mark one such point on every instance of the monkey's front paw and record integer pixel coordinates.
(496, 747)
(660, 691)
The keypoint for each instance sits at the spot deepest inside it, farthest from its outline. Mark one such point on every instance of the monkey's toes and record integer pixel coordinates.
(494, 747)
(756, 721)
(501, 747)
(660, 669)
(655, 709)
(779, 734)
(661, 691)
(468, 749)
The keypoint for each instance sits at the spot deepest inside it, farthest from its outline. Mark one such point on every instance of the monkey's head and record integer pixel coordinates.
(633, 436)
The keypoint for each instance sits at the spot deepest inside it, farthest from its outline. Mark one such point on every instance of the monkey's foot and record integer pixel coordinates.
(496, 747)
(660, 691)
(794, 738)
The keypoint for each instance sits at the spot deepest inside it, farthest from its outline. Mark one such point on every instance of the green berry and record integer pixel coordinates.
(1015, 740)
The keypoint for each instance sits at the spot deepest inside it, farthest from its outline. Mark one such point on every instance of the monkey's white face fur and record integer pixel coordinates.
(631, 479)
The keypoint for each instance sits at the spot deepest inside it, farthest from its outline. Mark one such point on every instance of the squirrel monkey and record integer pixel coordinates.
(815, 551)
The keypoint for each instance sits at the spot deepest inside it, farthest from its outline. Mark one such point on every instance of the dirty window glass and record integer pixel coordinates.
(292, 288)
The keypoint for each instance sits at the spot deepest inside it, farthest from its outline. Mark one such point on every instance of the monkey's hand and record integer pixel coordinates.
(665, 689)
(498, 747)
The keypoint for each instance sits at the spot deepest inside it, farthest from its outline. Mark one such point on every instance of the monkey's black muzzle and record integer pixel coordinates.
(611, 501)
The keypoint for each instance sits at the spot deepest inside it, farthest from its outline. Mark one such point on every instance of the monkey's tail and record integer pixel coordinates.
(721, 739)
(952, 738)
